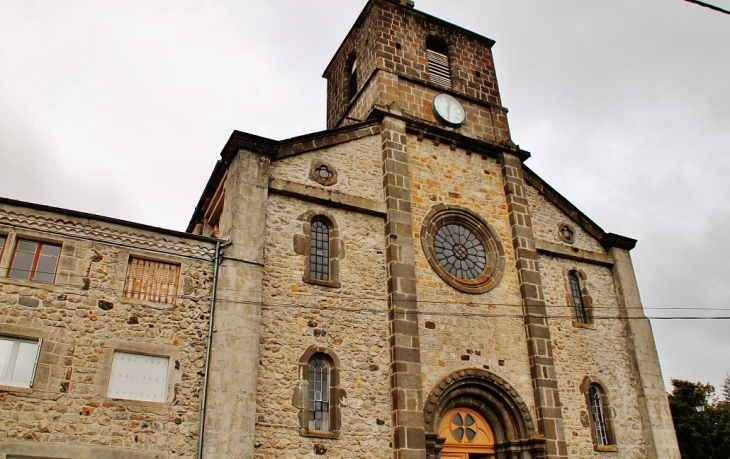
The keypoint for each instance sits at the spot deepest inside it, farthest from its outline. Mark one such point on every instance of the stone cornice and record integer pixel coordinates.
(327, 197)
(573, 253)
(67, 226)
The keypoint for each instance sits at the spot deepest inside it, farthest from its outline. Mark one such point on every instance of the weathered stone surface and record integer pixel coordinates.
(67, 407)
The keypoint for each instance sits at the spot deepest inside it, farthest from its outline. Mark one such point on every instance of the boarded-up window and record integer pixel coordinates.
(151, 280)
(138, 377)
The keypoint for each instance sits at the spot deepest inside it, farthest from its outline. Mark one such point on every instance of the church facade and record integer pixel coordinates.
(400, 285)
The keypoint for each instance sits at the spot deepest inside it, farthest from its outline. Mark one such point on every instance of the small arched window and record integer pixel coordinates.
(319, 251)
(579, 308)
(352, 81)
(319, 394)
(321, 248)
(439, 69)
(598, 416)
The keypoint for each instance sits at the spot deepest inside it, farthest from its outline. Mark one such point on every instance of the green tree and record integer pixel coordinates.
(697, 432)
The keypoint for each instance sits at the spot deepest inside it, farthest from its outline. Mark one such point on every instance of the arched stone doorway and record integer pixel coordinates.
(504, 414)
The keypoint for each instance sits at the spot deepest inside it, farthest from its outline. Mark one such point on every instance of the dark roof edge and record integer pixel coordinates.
(243, 140)
(101, 218)
(410, 10)
(607, 240)
(426, 129)
(328, 132)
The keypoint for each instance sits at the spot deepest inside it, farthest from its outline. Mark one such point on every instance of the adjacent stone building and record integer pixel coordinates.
(400, 285)
(103, 335)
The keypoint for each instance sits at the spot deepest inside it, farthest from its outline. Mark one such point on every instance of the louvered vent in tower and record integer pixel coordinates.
(438, 68)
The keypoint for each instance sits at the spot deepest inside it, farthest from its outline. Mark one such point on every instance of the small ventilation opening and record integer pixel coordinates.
(352, 84)
(439, 69)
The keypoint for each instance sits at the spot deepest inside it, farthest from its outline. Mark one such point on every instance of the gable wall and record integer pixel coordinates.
(357, 162)
(546, 218)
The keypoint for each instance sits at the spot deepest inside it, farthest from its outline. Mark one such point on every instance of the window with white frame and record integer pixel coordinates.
(138, 377)
(18, 361)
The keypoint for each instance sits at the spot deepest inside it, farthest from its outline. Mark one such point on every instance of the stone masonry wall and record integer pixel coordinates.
(440, 175)
(357, 164)
(83, 317)
(350, 321)
(397, 36)
(598, 351)
(546, 218)
(338, 74)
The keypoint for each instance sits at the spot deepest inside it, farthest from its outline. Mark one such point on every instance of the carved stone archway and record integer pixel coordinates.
(515, 433)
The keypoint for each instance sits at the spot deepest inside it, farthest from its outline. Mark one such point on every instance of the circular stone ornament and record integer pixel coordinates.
(463, 249)
(566, 232)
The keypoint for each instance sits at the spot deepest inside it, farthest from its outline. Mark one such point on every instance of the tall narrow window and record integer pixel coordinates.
(352, 89)
(597, 411)
(319, 251)
(579, 309)
(36, 261)
(439, 69)
(319, 394)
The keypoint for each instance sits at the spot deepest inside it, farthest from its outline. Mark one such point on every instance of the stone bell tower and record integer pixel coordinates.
(397, 55)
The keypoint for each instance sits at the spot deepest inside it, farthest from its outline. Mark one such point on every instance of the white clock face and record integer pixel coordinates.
(448, 110)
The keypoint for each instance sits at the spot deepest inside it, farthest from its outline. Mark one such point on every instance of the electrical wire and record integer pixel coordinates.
(707, 5)
(120, 291)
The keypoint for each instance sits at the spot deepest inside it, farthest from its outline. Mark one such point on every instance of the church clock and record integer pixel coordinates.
(448, 110)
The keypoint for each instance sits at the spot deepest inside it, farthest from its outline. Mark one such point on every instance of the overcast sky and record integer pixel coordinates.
(121, 108)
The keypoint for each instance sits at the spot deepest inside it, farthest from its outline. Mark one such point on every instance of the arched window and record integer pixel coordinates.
(439, 69)
(352, 81)
(598, 416)
(319, 251)
(579, 308)
(321, 248)
(319, 394)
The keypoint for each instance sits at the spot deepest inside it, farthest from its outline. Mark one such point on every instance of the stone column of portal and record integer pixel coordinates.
(230, 416)
(409, 441)
(539, 347)
(661, 440)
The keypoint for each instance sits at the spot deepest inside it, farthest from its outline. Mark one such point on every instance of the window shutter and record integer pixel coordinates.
(151, 280)
(438, 68)
(35, 364)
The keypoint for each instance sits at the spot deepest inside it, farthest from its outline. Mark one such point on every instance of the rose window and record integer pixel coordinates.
(459, 251)
(462, 248)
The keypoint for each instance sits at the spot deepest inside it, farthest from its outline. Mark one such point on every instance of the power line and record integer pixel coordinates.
(707, 5)
(455, 302)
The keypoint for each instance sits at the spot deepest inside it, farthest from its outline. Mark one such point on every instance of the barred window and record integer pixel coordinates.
(319, 394)
(439, 69)
(597, 411)
(319, 251)
(579, 309)
(151, 281)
